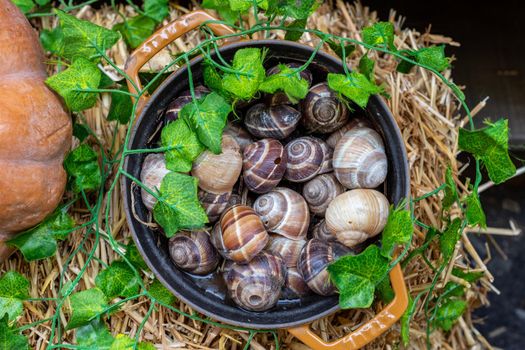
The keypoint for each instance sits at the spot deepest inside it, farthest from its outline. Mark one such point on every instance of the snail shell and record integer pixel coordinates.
(356, 122)
(280, 98)
(234, 199)
(217, 173)
(264, 163)
(256, 286)
(313, 261)
(360, 159)
(284, 211)
(288, 249)
(214, 203)
(357, 215)
(240, 135)
(193, 252)
(307, 157)
(172, 112)
(321, 232)
(320, 191)
(322, 110)
(275, 122)
(151, 175)
(239, 235)
(295, 286)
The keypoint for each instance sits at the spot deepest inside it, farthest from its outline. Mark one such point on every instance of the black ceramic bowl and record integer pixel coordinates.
(153, 246)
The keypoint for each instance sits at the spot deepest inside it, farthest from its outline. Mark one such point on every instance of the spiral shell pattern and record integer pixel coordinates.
(172, 112)
(240, 135)
(264, 164)
(275, 122)
(321, 232)
(193, 252)
(322, 110)
(307, 157)
(356, 122)
(295, 286)
(288, 249)
(214, 203)
(151, 175)
(320, 191)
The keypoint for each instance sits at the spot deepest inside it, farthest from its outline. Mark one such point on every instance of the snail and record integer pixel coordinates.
(320, 191)
(320, 231)
(284, 211)
(151, 175)
(294, 286)
(322, 110)
(239, 235)
(234, 199)
(280, 98)
(355, 122)
(360, 159)
(193, 252)
(288, 249)
(307, 157)
(264, 163)
(217, 173)
(313, 261)
(240, 135)
(172, 112)
(275, 122)
(357, 215)
(256, 286)
(214, 203)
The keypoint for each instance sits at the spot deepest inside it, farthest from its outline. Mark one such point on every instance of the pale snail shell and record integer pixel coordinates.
(151, 175)
(256, 286)
(322, 110)
(193, 252)
(264, 164)
(320, 191)
(360, 159)
(217, 173)
(285, 212)
(239, 235)
(280, 98)
(295, 286)
(307, 157)
(356, 122)
(313, 262)
(288, 249)
(172, 112)
(321, 232)
(357, 215)
(240, 135)
(214, 203)
(275, 122)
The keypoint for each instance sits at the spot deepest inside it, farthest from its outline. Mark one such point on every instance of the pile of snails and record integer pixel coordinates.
(293, 190)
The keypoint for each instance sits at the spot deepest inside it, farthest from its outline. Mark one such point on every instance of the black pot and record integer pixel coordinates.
(154, 246)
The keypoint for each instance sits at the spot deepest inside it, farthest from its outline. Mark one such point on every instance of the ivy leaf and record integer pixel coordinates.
(490, 144)
(398, 230)
(160, 293)
(336, 47)
(449, 238)
(297, 9)
(80, 131)
(52, 40)
(14, 288)
(355, 87)
(433, 56)
(156, 9)
(295, 35)
(123, 342)
(380, 34)
(85, 306)
(223, 8)
(136, 30)
(475, 214)
(467, 275)
(40, 242)
(384, 290)
(82, 167)
(121, 106)
(24, 5)
(295, 87)
(118, 280)
(42, 2)
(366, 67)
(247, 61)
(94, 336)
(245, 5)
(180, 207)
(207, 117)
(448, 313)
(213, 79)
(186, 145)
(405, 321)
(357, 276)
(11, 339)
(451, 192)
(82, 38)
(134, 257)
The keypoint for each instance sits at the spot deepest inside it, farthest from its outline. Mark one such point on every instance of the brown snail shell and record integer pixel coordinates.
(240, 135)
(264, 163)
(322, 110)
(234, 199)
(172, 112)
(307, 157)
(280, 98)
(193, 252)
(313, 261)
(214, 203)
(320, 231)
(360, 159)
(357, 215)
(320, 191)
(355, 122)
(275, 122)
(151, 175)
(239, 235)
(217, 173)
(284, 211)
(256, 286)
(288, 249)
(295, 286)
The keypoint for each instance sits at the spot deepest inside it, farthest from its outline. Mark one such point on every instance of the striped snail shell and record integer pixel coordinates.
(320, 191)
(307, 157)
(214, 203)
(322, 110)
(284, 211)
(360, 159)
(320, 231)
(313, 261)
(239, 235)
(234, 199)
(240, 135)
(217, 173)
(193, 252)
(151, 175)
(288, 249)
(280, 98)
(172, 112)
(264, 163)
(275, 122)
(295, 286)
(256, 286)
(356, 122)
(357, 215)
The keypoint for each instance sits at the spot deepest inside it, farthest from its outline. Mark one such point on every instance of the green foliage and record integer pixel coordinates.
(467, 275)
(24, 5)
(380, 34)
(11, 339)
(123, 342)
(405, 321)
(134, 257)
(355, 86)
(398, 230)
(295, 35)
(136, 30)
(223, 8)
(80, 131)
(297, 9)
(432, 57)
(86, 306)
(52, 40)
(185, 143)
(448, 313)
(366, 67)
(338, 49)
(248, 62)
(156, 9)
(14, 288)
(160, 293)
(449, 238)
(384, 290)
(475, 214)
(82, 167)
(451, 192)
(118, 280)
(213, 79)
(94, 336)
(121, 106)
(245, 5)
(295, 87)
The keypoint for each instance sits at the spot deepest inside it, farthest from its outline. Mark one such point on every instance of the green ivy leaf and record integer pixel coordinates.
(380, 34)
(81, 75)
(384, 290)
(297, 9)
(156, 9)
(123, 342)
(118, 280)
(366, 67)
(336, 47)
(449, 238)
(134, 257)
(475, 214)
(297, 24)
(356, 87)
(80, 131)
(213, 79)
(160, 293)
(186, 145)
(448, 313)
(94, 336)
(247, 61)
(86, 305)
(357, 276)
(223, 8)
(490, 145)
(42, 2)
(11, 339)
(295, 87)
(398, 230)
(82, 167)
(405, 321)
(180, 207)
(450, 191)
(52, 40)
(14, 288)
(121, 106)
(453, 289)
(433, 57)
(245, 5)
(136, 30)
(467, 275)
(24, 5)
